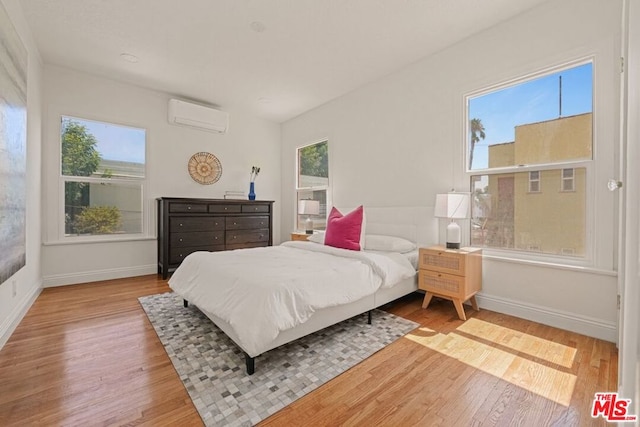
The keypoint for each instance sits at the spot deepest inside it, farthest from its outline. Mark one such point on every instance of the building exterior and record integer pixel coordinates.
(517, 205)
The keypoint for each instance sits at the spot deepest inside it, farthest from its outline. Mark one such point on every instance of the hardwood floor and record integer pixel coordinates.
(87, 355)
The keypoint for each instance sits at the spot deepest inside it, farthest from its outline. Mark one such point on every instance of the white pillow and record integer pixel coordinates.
(317, 237)
(378, 242)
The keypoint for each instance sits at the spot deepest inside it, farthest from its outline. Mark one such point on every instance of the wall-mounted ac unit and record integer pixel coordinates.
(198, 116)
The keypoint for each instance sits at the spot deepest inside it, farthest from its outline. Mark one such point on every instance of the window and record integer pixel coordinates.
(534, 181)
(525, 137)
(567, 180)
(102, 173)
(313, 182)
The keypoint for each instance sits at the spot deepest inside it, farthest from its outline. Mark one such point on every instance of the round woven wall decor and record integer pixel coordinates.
(205, 168)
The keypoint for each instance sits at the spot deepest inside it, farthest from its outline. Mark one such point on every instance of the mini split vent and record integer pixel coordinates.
(183, 113)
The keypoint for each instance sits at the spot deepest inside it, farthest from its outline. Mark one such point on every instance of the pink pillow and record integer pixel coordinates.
(344, 231)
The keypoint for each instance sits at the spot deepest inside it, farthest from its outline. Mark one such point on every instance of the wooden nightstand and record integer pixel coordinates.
(453, 274)
(299, 236)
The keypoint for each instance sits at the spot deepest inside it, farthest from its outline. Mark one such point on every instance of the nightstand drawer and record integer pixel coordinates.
(442, 260)
(441, 283)
(300, 237)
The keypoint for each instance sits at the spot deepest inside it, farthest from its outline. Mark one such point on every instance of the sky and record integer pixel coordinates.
(530, 102)
(116, 142)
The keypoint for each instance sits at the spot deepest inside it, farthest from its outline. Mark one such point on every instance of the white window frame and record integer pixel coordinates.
(588, 164)
(299, 189)
(145, 210)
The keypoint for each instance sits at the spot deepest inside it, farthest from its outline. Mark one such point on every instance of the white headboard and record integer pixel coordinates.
(415, 223)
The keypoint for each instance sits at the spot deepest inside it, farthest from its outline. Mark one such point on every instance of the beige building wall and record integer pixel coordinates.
(566, 138)
(551, 216)
(551, 220)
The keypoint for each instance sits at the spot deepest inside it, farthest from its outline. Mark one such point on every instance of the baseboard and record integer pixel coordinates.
(11, 323)
(584, 325)
(98, 275)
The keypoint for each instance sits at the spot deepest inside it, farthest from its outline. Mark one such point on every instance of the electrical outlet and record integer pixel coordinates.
(14, 291)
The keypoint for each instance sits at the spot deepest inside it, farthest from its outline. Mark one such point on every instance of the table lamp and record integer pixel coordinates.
(452, 206)
(308, 207)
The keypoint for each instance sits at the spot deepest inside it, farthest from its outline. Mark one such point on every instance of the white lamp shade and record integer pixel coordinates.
(452, 205)
(308, 207)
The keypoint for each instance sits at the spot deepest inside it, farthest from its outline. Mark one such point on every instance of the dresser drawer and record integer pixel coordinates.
(441, 283)
(248, 245)
(247, 222)
(246, 236)
(225, 209)
(188, 207)
(196, 238)
(177, 255)
(250, 208)
(442, 260)
(195, 223)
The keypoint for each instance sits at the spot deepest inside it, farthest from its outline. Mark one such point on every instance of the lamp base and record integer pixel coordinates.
(453, 235)
(308, 225)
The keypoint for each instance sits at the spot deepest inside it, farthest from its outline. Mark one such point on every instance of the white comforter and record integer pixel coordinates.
(263, 291)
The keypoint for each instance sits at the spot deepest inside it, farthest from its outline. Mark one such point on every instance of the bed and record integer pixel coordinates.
(263, 298)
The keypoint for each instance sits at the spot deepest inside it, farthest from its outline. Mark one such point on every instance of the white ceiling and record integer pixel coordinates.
(272, 58)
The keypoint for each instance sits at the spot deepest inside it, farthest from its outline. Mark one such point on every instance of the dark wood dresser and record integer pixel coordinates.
(190, 225)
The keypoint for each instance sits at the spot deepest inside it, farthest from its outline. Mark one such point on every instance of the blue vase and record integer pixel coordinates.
(252, 194)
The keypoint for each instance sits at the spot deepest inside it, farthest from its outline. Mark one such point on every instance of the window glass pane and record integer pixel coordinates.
(102, 150)
(506, 215)
(102, 208)
(320, 220)
(313, 164)
(543, 120)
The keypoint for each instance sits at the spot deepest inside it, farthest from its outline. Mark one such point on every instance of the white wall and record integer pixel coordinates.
(28, 280)
(399, 141)
(249, 141)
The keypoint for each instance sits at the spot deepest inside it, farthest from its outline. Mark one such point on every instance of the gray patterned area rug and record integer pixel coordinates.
(212, 367)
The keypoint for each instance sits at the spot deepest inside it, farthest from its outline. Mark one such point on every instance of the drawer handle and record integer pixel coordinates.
(256, 209)
(188, 208)
(234, 237)
(261, 223)
(225, 208)
(181, 255)
(180, 224)
(181, 240)
(215, 223)
(261, 236)
(215, 238)
(235, 223)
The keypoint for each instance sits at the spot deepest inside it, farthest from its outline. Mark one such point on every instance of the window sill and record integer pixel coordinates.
(548, 264)
(92, 240)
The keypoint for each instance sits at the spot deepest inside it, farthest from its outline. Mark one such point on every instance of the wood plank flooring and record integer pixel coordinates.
(87, 355)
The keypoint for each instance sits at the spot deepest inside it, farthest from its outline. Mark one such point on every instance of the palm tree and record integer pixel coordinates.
(477, 133)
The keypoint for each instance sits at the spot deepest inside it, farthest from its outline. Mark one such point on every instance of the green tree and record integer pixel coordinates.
(98, 220)
(79, 158)
(314, 160)
(477, 133)
(79, 154)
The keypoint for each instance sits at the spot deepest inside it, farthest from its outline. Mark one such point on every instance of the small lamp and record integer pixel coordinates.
(453, 206)
(308, 207)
